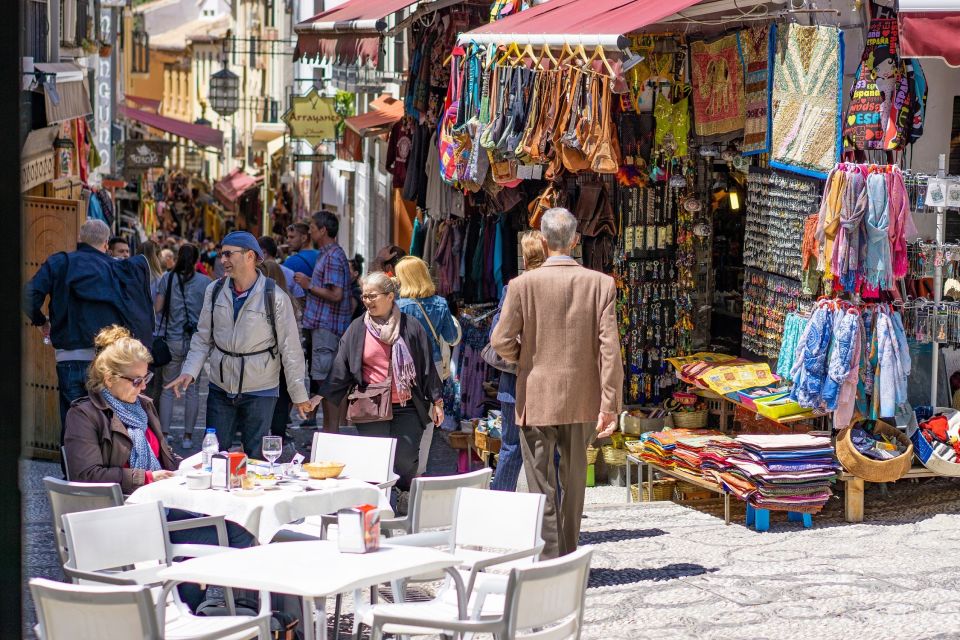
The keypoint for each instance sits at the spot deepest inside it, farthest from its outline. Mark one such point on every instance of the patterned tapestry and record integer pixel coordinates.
(757, 49)
(718, 102)
(807, 81)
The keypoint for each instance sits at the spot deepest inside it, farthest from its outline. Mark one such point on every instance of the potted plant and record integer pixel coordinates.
(88, 46)
(105, 49)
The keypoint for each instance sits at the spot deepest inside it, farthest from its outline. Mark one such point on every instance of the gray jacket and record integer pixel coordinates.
(250, 333)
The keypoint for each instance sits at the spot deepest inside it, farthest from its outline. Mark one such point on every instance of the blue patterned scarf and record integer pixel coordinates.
(134, 418)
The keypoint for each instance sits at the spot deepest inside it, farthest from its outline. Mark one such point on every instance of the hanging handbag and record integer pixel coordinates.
(539, 205)
(372, 403)
(445, 139)
(571, 154)
(606, 155)
(159, 349)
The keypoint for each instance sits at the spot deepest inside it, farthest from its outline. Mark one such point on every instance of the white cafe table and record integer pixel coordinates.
(314, 571)
(264, 512)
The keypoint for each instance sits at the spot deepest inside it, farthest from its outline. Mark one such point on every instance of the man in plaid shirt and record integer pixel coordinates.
(328, 311)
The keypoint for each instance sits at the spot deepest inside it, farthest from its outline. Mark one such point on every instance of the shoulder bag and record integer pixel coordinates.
(372, 403)
(446, 351)
(492, 358)
(160, 350)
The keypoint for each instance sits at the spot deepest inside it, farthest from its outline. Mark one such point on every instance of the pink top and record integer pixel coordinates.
(155, 447)
(376, 363)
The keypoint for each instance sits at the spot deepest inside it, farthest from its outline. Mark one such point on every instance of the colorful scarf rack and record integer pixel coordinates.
(862, 229)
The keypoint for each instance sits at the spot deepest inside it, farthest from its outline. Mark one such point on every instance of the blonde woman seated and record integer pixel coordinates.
(113, 435)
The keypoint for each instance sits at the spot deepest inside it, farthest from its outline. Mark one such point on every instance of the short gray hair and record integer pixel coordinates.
(559, 228)
(379, 281)
(94, 232)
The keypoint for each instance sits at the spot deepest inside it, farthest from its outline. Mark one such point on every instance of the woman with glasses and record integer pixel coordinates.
(385, 343)
(113, 435)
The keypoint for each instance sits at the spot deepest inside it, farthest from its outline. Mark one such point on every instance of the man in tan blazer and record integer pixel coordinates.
(559, 325)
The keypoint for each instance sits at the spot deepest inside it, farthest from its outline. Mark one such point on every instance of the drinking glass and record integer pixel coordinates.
(272, 448)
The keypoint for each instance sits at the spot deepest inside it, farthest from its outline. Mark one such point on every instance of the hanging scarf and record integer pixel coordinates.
(846, 250)
(842, 352)
(901, 223)
(829, 221)
(876, 265)
(401, 362)
(134, 418)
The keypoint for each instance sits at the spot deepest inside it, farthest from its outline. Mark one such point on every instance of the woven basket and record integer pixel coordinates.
(662, 490)
(459, 439)
(614, 457)
(634, 446)
(875, 470)
(592, 455)
(689, 419)
(687, 491)
(484, 442)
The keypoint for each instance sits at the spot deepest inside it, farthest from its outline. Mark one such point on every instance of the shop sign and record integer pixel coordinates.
(139, 155)
(312, 118)
(103, 101)
(37, 170)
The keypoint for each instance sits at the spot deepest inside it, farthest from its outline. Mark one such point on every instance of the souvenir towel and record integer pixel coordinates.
(880, 91)
(718, 100)
(807, 81)
(757, 49)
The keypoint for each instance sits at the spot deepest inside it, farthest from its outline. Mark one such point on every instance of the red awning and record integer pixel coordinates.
(235, 184)
(143, 103)
(200, 134)
(348, 33)
(929, 28)
(593, 19)
(383, 113)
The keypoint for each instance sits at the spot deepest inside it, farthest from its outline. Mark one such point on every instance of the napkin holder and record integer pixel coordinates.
(358, 529)
(227, 469)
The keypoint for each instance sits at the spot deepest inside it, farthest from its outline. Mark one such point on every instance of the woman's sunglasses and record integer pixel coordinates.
(139, 380)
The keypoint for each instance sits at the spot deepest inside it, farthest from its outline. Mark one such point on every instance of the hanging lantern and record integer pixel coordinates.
(193, 162)
(224, 92)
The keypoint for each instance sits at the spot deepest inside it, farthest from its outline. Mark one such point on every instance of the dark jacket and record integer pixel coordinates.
(98, 445)
(88, 291)
(347, 371)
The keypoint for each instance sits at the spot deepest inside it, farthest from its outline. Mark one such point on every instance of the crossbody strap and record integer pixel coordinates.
(429, 324)
(165, 314)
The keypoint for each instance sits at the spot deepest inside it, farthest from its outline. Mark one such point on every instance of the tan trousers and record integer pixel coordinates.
(564, 504)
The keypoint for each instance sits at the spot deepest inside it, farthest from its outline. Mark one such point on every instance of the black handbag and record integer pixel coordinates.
(160, 350)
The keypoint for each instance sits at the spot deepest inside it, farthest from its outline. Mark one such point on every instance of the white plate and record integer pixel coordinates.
(267, 483)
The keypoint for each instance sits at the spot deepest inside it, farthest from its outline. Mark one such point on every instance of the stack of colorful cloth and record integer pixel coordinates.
(786, 472)
(690, 450)
(662, 448)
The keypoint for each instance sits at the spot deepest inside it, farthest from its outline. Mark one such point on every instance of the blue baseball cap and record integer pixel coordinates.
(244, 240)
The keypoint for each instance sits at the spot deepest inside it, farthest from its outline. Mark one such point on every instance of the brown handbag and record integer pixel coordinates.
(605, 158)
(522, 152)
(539, 205)
(372, 404)
(571, 154)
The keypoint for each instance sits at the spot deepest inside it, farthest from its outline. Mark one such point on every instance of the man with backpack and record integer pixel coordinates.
(248, 330)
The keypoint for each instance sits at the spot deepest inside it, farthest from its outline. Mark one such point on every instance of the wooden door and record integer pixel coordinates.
(49, 226)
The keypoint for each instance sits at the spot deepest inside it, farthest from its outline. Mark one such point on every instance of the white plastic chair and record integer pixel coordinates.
(432, 501)
(491, 529)
(73, 497)
(544, 601)
(82, 612)
(97, 554)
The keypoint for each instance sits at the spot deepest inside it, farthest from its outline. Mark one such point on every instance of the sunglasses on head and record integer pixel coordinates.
(139, 380)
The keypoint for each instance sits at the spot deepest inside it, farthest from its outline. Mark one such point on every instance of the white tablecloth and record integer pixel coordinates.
(262, 514)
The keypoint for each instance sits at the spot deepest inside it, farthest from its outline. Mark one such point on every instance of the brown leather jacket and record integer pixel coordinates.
(98, 446)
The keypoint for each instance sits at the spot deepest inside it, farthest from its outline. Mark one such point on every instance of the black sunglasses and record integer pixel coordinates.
(140, 380)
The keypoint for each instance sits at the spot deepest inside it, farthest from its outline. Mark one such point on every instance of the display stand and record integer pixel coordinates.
(938, 284)
(853, 488)
(698, 481)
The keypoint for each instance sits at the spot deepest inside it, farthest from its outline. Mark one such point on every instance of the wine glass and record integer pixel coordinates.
(272, 448)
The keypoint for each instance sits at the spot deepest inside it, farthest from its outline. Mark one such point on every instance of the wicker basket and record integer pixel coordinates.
(614, 457)
(592, 455)
(634, 446)
(632, 425)
(689, 419)
(875, 470)
(688, 491)
(459, 439)
(662, 490)
(485, 442)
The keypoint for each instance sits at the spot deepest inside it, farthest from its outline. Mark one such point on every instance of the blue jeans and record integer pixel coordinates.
(250, 415)
(511, 460)
(72, 380)
(238, 537)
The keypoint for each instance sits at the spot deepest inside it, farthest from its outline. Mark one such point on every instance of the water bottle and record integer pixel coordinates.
(210, 447)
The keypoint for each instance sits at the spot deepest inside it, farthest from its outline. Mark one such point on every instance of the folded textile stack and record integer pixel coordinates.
(790, 472)
(689, 451)
(714, 455)
(660, 447)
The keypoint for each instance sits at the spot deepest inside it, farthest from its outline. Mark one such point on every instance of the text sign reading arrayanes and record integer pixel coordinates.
(312, 118)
